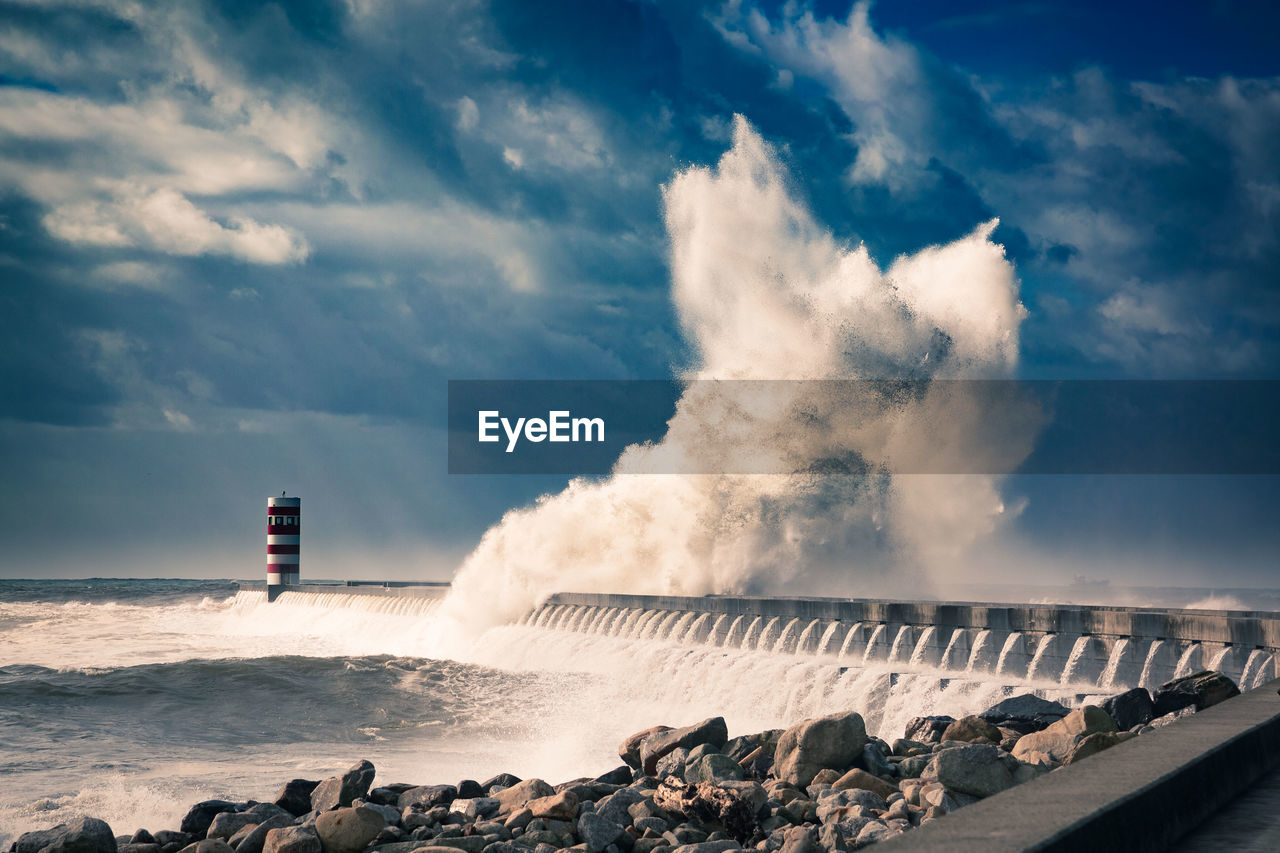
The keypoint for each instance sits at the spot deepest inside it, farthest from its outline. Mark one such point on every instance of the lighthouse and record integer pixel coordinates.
(284, 526)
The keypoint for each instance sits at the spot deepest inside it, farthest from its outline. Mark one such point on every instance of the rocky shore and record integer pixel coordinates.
(823, 784)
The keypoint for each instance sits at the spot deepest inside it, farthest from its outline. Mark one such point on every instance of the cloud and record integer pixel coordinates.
(166, 221)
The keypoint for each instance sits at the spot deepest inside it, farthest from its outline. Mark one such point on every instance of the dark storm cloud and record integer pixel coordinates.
(224, 219)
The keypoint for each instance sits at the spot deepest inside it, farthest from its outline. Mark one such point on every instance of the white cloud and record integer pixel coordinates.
(166, 221)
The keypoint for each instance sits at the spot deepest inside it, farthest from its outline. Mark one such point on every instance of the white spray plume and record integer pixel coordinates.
(763, 291)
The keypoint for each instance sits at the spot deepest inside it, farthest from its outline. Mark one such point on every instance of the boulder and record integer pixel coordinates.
(800, 839)
(873, 761)
(618, 776)
(257, 837)
(427, 796)
(1057, 741)
(972, 729)
(710, 731)
(562, 806)
(1095, 743)
(1025, 713)
(348, 830)
(672, 764)
(226, 824)
(979, 769)
(713, 767)
(86, 835)
(292, 839)
(294, 796)
(340, 791)
(1086, 720)
(1201, 689)
(200, 816)
(598, 832)
(1131, 708)
(142, 837)
(629, 749)
(834, 741)
(470, 789)
(502, 780)
(209, 845)
(857, 778)
(518, 795)
(617, 806)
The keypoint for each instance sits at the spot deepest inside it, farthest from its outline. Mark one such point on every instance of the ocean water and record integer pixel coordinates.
(129, 700)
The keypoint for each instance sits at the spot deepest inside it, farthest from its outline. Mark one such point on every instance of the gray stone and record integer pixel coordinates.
(629, 749)
(428, 796)
(227, 824)
(476, 807)
(86, 835)
(977, 769)
(710, 731)
(617, 806)
(199, 817)
(873, 761)
(1025, 713)
(672, 764)
(466, 843)
(713, 767)
(972, 729)
(598, 832)
(709, 847)
(800, 839)
(292, 839)
(927, 729)
(1095, 743)
(340, 791)
(253, 842)
(209, 845)
(831, 742)
(1131, 708)
(1201, 689)
(294, 796)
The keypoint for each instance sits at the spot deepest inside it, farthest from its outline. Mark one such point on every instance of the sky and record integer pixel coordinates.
(244, 246)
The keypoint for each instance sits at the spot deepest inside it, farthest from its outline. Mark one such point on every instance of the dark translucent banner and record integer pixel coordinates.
(863, 427)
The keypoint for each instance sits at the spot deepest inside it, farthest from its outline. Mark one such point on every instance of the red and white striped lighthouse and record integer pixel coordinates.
(284, 525)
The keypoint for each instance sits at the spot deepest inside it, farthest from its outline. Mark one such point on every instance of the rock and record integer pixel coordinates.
(502, 780)
(475, 808)
(339, 791)
(348, 830)
(1201, 689)
(708, 847)
(874, 762)
(655, 746)
(801, 839)
(734, 805)
(130, 847)
(872, 832)
(1086, 720)
(562, 806)
(927, 729)
(911, 768)
(427, 796)
(1025, 713)
(257, 837)
(979, 769)
(858, 778)
(1061, 737)
(839, 805)
(518, 795)
(292, 839)
(672, 764)
(617, 806)
(167, 836)
(629, 749)
(294, 796)
(86, 835)
(598, 832)
(833, 742)
(227, 824)
(467, 843)
(617, 776)
(470, 789)
(972, 729)
(209, 845)
(714, 767)
(1094, 743)
(1173, 716)
(1131, 708)
(142, 837)
(200, 816)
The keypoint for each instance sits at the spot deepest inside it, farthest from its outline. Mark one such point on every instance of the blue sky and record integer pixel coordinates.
(243, 246)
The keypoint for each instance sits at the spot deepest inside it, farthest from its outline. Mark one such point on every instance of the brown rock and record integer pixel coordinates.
(972, 729)
(857, 778)
(804, 749)
(562, 806)
(629, 749)
(1095, 743)
(519, 795)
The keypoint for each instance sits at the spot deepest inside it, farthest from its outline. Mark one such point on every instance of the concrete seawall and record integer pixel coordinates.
(1108, 647)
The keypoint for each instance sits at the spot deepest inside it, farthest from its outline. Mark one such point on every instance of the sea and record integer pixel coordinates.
(130, 700)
